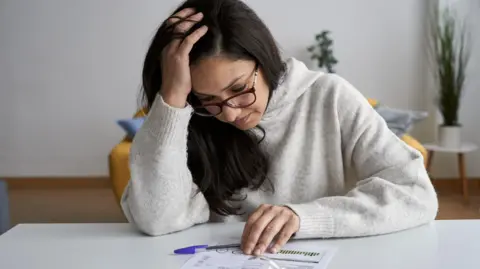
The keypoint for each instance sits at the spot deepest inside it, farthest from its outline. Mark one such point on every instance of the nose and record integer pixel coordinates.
(230, 114)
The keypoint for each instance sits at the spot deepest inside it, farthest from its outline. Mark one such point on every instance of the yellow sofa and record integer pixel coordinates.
(119, 166)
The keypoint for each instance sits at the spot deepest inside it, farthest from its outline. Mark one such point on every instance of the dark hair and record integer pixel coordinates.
(222, 159)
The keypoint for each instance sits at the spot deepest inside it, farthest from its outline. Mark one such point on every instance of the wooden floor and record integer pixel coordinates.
(64, 206)
(99, 205)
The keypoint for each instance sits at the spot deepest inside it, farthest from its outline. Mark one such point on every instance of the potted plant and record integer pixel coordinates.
(450, 55)
(322, 52)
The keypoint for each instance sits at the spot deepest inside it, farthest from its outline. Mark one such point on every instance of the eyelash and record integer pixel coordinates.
(239, 89)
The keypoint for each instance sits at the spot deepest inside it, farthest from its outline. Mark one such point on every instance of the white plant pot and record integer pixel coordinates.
(449, 137)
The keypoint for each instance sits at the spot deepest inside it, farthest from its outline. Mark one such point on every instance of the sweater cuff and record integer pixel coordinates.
(314, 223)
(168, 124)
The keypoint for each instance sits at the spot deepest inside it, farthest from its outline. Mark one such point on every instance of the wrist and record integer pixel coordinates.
(174, 100)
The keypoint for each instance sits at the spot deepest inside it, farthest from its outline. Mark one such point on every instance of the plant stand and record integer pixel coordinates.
(461, 151)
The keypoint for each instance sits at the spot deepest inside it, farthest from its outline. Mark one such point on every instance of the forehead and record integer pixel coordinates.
(212, 74)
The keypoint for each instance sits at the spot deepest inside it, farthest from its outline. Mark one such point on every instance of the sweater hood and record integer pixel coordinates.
(295, 82)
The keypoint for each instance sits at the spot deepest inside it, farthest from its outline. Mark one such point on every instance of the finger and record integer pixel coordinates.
(187, 44)
(179, 33)
(251, 220)
(185, 25)
(177, 39)
(270, 231)
(284, 235)
(180, 15)
(258, 228)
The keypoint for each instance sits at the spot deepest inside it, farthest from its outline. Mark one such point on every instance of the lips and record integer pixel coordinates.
(243, 120)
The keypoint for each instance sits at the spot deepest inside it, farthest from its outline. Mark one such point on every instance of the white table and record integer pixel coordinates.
(464, 149)
(441, 244)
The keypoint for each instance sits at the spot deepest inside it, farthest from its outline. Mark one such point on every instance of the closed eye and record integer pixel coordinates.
(239, 88)
(234, 90)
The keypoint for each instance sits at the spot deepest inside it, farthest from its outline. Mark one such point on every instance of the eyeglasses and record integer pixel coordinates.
(241, 100)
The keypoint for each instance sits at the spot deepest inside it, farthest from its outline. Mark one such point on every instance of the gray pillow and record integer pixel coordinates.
(400, 121)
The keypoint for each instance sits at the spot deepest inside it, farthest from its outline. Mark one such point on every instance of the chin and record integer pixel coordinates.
(252, 123)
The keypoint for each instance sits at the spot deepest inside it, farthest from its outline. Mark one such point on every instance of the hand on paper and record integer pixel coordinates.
(269, 224)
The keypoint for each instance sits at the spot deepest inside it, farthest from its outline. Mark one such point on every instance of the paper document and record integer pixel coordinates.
(288, 258)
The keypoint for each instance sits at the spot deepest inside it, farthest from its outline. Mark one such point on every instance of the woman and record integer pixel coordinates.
(235, 134)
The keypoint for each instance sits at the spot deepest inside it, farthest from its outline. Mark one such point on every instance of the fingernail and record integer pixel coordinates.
(259, 250)
(248, 251)
(275, 248)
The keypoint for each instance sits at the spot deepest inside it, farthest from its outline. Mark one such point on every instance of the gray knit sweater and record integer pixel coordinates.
(333, 161)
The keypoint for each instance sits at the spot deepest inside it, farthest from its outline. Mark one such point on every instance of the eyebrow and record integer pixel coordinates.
(225, 88)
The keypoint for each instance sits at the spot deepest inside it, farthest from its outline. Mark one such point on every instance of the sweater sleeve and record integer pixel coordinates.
(161, 197)
(393, 191)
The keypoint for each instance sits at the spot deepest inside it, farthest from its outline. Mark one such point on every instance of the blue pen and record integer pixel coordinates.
(199, 248)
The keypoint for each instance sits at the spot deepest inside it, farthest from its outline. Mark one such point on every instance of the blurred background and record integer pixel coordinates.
(70, 69)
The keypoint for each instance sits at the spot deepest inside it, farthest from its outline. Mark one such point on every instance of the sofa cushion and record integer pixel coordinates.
(400, 121)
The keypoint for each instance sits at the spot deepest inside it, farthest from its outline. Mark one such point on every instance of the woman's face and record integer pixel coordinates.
(215, 79)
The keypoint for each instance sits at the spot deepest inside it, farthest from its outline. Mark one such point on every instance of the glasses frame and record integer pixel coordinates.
(220, 105)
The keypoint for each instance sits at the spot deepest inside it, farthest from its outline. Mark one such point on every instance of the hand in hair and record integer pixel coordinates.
(269, 224)
(175, 57)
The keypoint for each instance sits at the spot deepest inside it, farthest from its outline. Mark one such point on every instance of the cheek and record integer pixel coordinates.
(261, 102)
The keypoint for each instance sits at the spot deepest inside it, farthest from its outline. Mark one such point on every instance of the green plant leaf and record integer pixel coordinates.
(450, 58)
(324, 54)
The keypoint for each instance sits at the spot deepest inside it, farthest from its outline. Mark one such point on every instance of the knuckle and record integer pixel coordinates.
(270, 228)
(171, 21)
(180, 28)
(270, 212)
(177, 57)
(250, 221)
(256, 227)
(286, 212)
(273, 208)
(251, 239)
(265, 206)
(250, 224)
(284, 235)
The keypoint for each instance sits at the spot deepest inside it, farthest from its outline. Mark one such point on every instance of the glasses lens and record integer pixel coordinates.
(243, 100)
(214, 110)
(239, 101)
